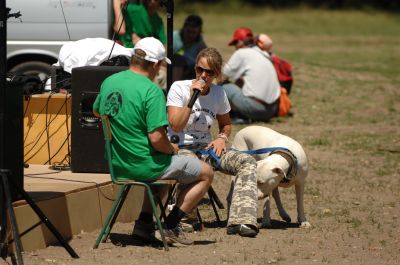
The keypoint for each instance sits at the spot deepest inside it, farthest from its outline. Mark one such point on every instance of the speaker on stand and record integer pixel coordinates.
(87, 140)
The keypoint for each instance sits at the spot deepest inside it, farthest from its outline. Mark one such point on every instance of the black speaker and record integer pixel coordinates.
(13, 136)
(87, 140)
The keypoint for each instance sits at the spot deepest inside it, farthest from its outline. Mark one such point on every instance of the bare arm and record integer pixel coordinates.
(225, 128)
(135, 38)
(118, 16)
(159, 140)
(178, 117)
(224, 124)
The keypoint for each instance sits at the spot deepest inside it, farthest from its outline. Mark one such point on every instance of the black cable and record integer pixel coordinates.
(59, 149)
(49, 136)
(119, 29)
(68, 134)
(41, 134)
(27, 105)
(33, 123)
(52, 91)
(47, 128)
(43, 130)
(67, 126)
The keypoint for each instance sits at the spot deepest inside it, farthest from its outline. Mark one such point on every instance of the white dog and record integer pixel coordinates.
(276, 169)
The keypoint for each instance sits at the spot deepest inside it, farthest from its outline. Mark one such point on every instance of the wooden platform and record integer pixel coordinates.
(73, 202)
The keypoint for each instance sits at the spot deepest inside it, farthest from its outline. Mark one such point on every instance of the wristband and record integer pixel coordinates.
(223, 136)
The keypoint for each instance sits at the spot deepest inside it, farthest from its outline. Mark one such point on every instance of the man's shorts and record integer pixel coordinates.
(183, 169)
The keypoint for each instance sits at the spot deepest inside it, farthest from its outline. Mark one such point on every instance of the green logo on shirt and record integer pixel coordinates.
(113, 104)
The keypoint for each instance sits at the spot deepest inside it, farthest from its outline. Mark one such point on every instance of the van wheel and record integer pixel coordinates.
(40, 69)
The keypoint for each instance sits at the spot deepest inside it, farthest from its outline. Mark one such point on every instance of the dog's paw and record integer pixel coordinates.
(286, 218)
(305, 224)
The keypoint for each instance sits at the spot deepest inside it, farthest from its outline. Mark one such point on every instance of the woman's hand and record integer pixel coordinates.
(197, 84)
(218, 146)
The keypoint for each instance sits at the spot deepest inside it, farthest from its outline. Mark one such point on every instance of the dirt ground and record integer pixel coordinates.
(351, 201)
(347, 120)
(354, 220)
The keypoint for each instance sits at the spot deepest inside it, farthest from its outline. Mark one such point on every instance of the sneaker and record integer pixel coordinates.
(144, 231)
(186, 227)
(176, 235)
(242, 230)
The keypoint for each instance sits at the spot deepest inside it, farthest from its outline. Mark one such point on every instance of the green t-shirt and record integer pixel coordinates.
(136, 107)
(138, 20)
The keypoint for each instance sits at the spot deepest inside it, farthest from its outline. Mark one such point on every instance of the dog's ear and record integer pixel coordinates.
(280, 172)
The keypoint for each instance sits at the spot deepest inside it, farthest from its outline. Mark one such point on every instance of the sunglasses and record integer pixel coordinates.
(200, 70)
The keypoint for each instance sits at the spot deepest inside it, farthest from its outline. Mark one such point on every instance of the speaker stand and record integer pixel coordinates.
(8, 205)
(36, 209)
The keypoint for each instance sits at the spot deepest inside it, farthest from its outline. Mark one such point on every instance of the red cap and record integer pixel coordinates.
(241, 34)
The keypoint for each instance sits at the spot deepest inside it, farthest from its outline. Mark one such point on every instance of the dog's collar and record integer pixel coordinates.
(292, 160)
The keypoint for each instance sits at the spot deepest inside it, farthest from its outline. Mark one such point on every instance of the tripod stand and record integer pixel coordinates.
(11, 154)
(36, 209)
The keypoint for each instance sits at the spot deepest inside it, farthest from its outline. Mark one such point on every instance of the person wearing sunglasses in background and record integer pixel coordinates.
(193, 128)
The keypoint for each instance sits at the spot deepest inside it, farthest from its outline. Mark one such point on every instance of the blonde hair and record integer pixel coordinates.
(214, 60)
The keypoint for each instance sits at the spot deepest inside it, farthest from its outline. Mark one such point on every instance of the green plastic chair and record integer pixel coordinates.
(126, 186)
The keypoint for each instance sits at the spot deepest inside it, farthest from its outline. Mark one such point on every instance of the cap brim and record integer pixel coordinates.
(232, 43)
(167, 60)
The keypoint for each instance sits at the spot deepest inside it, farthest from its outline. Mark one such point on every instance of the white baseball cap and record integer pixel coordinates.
(153, 48)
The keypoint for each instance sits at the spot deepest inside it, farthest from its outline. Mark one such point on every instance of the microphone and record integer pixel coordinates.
(196, 94)
(175, 139)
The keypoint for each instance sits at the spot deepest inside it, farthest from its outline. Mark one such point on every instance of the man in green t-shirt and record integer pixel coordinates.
(140, 147)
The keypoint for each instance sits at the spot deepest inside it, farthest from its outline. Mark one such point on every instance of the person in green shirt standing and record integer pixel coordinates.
(140, 21)
(140, 147)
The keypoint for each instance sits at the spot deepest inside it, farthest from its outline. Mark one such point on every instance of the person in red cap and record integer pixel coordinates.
(254, 89)
(242, 37)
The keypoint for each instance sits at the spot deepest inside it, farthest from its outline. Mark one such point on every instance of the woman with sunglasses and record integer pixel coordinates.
(191, 126)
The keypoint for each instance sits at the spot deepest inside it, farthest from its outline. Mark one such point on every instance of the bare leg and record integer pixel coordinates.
(192, 194)
(160, 191)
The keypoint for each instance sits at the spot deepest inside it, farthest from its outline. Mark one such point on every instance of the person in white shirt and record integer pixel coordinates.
(255, 93)
(192, 124)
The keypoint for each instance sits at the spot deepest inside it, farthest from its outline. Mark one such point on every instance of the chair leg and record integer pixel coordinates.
(126, 189)
(200, 219)
(171, 192)
(162, 208)
(211, 192)
(109, 217)
(211, 197)
(153, 205)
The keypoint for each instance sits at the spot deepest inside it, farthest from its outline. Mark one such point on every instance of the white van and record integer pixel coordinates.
(34, 40)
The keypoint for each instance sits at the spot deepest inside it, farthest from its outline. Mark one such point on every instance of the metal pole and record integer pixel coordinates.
(170, 44)
(3, 70)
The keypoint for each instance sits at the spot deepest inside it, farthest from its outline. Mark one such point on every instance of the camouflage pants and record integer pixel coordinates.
(243, 205)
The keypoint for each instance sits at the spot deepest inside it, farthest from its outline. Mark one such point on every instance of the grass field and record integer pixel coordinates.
(346, 99)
